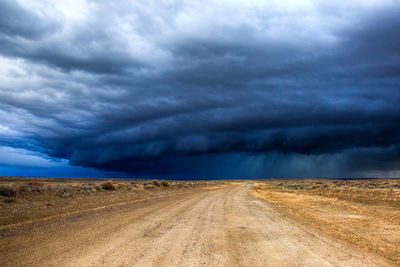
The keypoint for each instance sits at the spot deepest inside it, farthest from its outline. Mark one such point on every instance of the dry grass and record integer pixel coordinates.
(364, 213)
(25, 199)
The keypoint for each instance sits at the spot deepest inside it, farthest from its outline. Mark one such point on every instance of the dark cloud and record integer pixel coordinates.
(212, 89)
(18, 21)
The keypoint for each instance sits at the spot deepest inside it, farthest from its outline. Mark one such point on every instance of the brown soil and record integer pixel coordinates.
(40, 199)
(224, 226)
(363, 213)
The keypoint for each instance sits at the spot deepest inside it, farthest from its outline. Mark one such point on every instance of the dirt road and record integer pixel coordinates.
(223, 227)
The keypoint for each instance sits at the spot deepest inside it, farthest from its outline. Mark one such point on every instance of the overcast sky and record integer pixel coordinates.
(200, 89)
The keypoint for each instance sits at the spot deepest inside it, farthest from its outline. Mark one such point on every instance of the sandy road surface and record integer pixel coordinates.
(223, 227)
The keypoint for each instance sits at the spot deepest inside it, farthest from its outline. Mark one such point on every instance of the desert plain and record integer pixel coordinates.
(266, 222)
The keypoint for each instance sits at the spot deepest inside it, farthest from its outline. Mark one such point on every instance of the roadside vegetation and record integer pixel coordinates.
(69, 189)
(26, 199)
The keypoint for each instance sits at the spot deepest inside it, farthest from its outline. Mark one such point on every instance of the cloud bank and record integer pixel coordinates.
(204, 89)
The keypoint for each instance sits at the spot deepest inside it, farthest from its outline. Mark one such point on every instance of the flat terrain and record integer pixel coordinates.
(364, 213)
(221, 224)
(28, 199)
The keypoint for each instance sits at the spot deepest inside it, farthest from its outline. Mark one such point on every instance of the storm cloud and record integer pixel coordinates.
(204, 89)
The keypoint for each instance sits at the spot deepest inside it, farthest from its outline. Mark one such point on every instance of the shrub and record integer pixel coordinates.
(36, 187)
(8, 191)
(23, 189)
(109, 185)
(87, 188)
(65, 191)
(182, 185)
(156, 183)
(165, 183)
(138, 187)
(149, 186)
